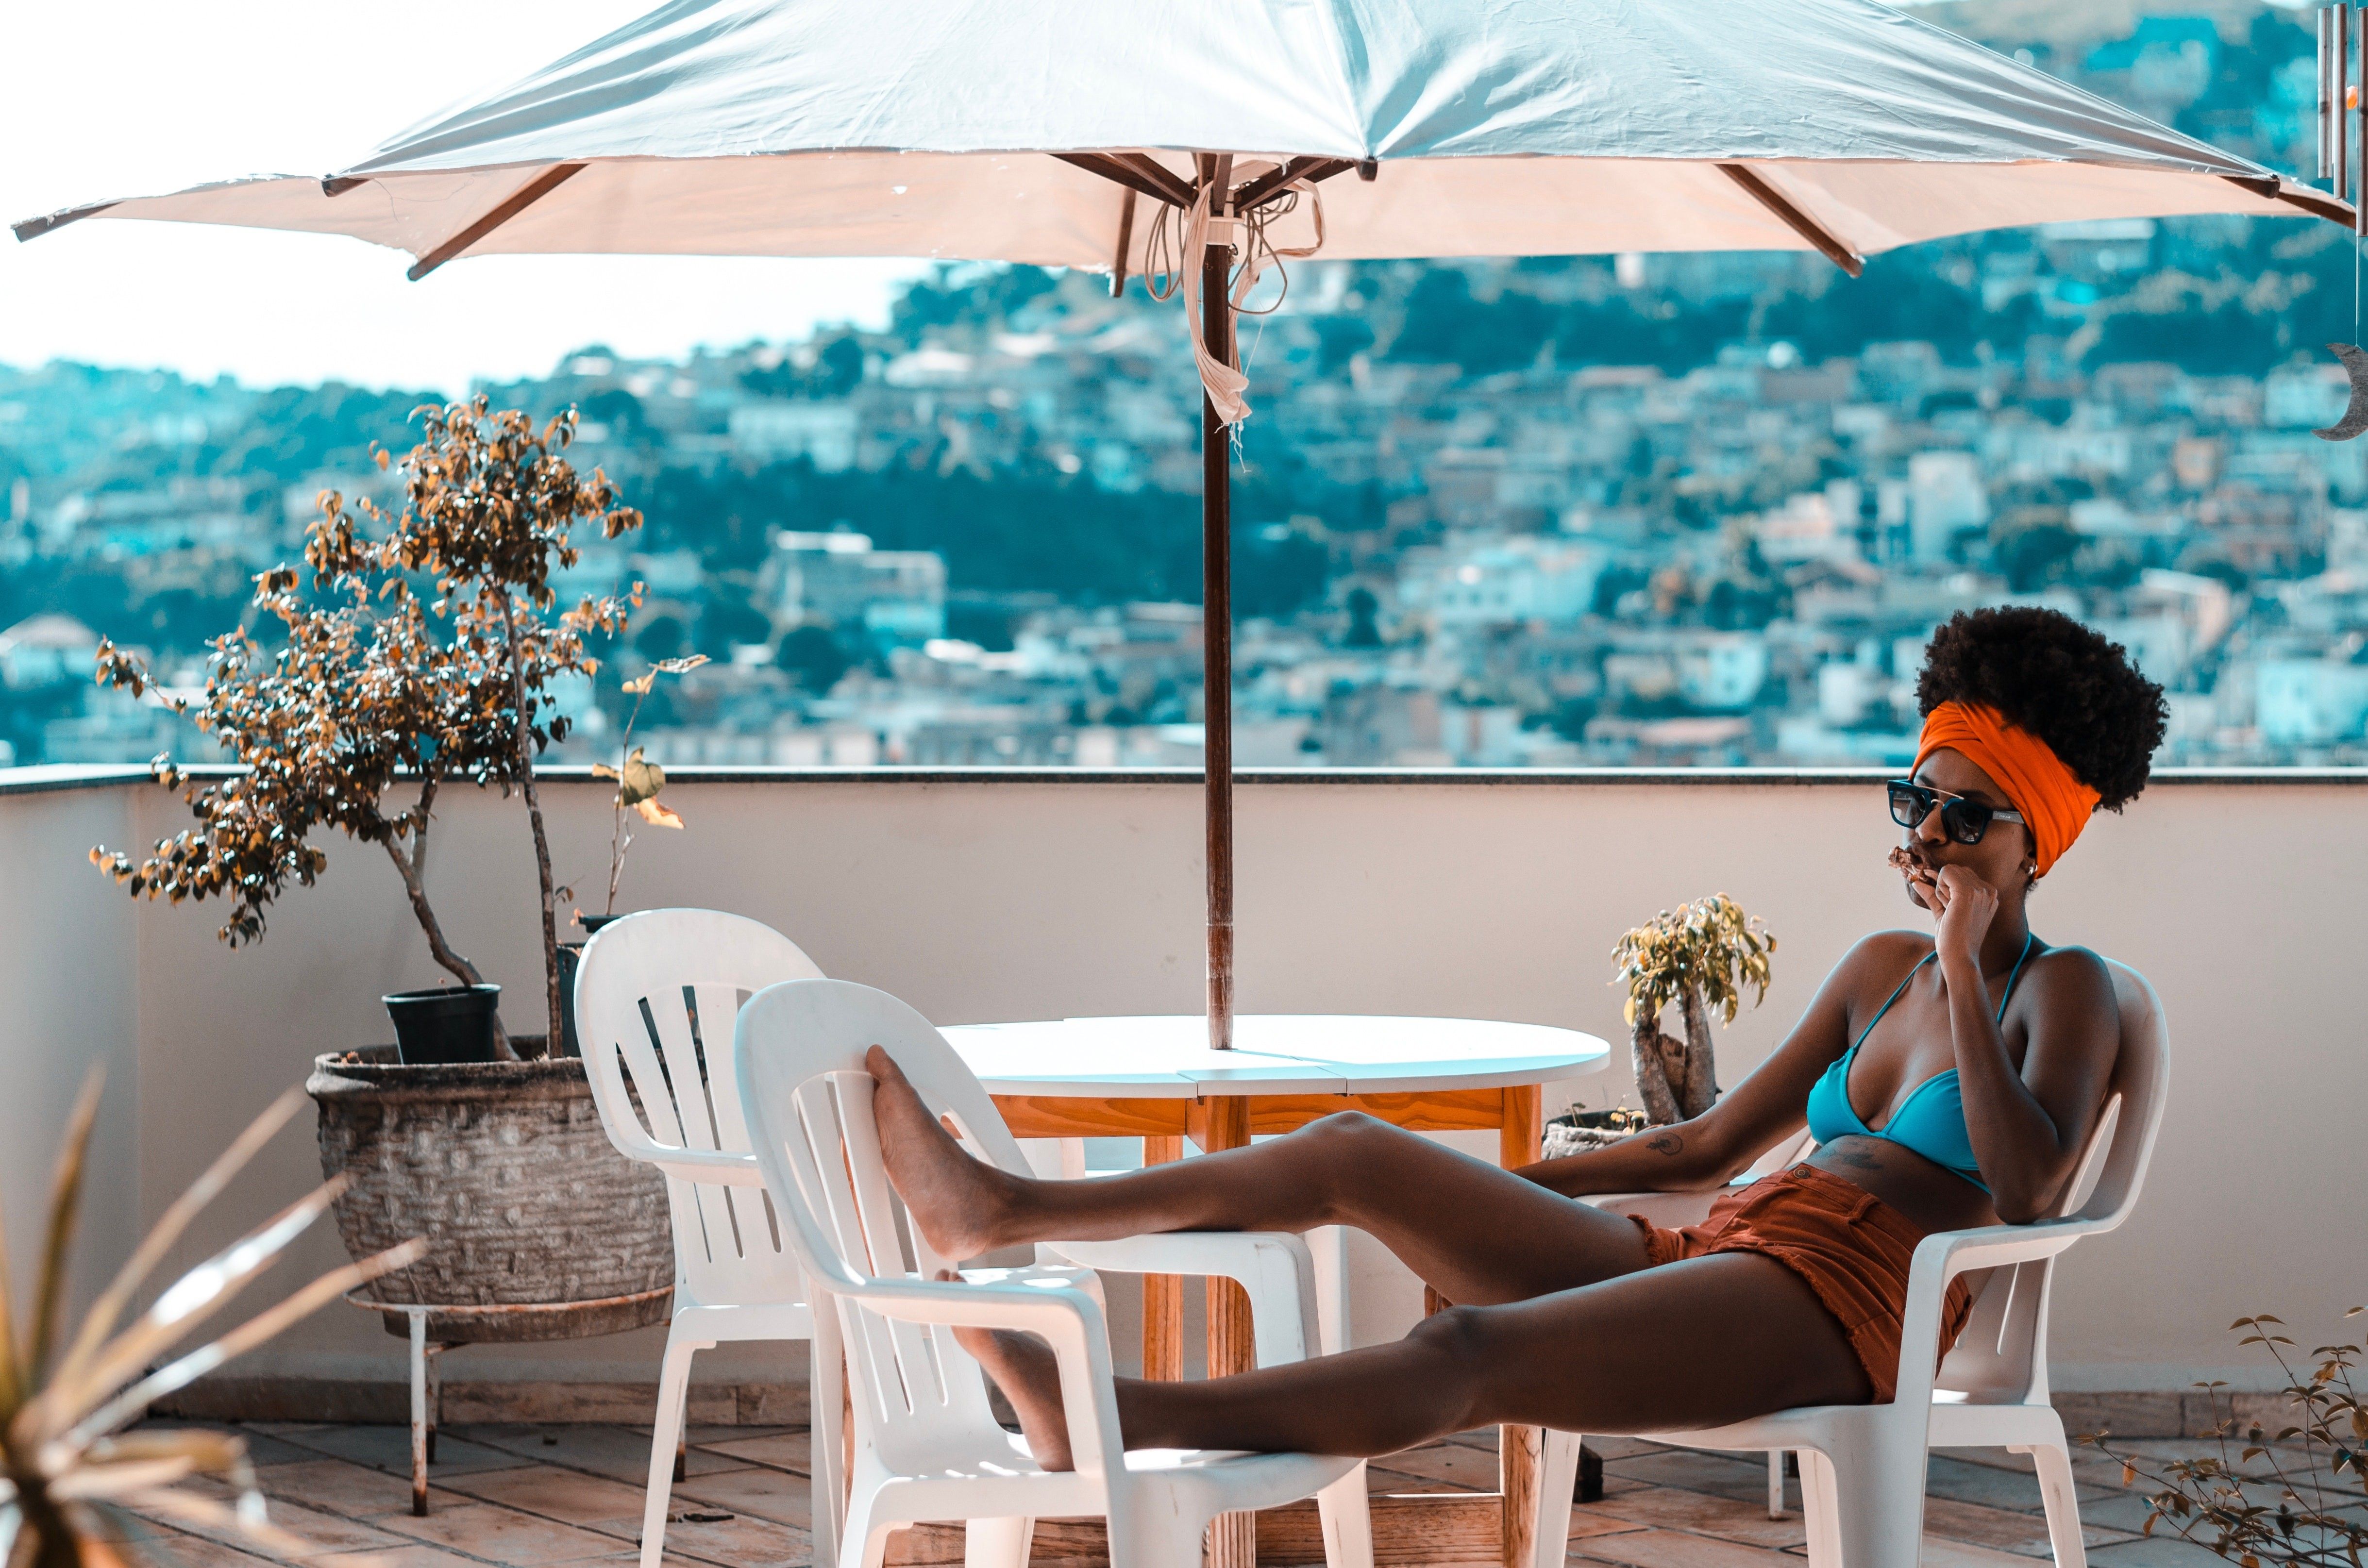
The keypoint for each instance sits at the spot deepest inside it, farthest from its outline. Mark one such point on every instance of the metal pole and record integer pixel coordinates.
(1217, 628)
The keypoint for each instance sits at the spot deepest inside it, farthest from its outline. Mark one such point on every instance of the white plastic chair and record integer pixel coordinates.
(1862, 1466)
(926, 1445)
(654, 997)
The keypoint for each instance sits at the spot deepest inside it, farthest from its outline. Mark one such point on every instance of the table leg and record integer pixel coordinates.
(1163, 1294)
(1519, 1448)
(1233, 1537)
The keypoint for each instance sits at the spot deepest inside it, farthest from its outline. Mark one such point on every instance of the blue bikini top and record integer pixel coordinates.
(1932, 1119)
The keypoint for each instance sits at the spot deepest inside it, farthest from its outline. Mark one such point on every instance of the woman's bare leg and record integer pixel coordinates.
(1471, 1232)
(1692, 1344)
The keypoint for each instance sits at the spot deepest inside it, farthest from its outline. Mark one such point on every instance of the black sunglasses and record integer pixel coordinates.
(1963, 820)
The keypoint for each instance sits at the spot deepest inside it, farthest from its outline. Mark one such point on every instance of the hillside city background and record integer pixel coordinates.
(1635, 510)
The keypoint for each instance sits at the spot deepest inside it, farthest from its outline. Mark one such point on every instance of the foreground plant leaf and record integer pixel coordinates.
(61, 1459)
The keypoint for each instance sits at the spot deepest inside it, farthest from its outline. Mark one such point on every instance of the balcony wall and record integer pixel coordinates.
(991, 896)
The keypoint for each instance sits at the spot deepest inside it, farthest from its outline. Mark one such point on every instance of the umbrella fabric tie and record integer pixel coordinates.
(1225, 383)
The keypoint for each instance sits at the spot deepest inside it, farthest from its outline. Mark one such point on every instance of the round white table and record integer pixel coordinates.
(1155, 1078)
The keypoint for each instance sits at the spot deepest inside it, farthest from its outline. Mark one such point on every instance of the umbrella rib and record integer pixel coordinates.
(1111, 167)
(2318, 204)
(34, 228)
(1792, 217)
(1125, 243)
(517, 201)
(1171, 188)
(1266, 185)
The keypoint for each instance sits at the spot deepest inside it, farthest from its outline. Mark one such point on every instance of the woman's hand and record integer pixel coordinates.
(1966, 905)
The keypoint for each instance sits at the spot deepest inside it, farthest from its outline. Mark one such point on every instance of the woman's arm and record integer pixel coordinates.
(2028, 1126)
(1712, 1148)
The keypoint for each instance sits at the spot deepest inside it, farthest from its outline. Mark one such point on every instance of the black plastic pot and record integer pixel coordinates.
(570, 955)
(450, 1024)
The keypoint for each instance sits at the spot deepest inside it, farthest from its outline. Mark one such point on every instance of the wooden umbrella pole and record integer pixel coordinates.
(1218, 633)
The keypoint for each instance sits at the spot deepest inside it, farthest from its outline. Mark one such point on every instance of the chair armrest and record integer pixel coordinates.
(1060, 1304)
(714, 1167)
(1273, 1268)
(1941, 1258)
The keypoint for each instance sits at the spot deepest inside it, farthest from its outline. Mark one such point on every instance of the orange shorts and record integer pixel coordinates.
(1851, 1247)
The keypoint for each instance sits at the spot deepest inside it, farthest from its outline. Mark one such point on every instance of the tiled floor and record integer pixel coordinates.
(527, 1496)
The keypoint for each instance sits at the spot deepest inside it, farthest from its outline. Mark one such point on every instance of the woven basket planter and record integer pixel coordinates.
(504, 1168)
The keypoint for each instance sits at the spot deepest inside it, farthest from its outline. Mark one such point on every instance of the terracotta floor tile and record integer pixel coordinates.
(741, 1542)
(1942, 1553)
(500, 1534)
(2024, 1534)
(398, 1557)
(339, 1487)
(1473, 1469)
(323, 1532)
(2156, 1553)
(1727, 1475)
(778, 1495)
(1676, 1549)
(1990, 1487)
(620, 1453)
(1593, 1520)
(197, 1552)
(389, 1448)
(786, 1451)
(1669, 1508)
(568, 1495)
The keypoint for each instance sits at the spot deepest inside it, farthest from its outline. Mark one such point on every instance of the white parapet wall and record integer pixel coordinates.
(1011, 895)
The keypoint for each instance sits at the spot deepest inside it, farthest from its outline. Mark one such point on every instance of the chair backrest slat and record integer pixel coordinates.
(656, 997)
(799, 1052)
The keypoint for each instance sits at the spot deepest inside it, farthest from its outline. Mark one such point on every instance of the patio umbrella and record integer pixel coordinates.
(1207, 139)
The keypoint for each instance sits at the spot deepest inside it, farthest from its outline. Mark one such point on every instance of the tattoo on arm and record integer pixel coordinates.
(1666, 1143)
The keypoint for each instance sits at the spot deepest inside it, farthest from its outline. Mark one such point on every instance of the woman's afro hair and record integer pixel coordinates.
(2047, 674)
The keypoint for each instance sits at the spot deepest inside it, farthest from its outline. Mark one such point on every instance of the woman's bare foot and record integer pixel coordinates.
(1023, 1367)
(958, 1202)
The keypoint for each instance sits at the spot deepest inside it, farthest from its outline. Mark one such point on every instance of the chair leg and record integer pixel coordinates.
(665, 1438)
(1877, 1499)
(864, 1540)
(2054, 1466)
(1775, 1484)
(1819, 1509)
(825, 1388)
(998, 1543)
(1347, 1513)
(1143, 1541)
(1558, 1461)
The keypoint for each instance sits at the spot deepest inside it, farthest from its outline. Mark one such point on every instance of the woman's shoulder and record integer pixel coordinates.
(2071, 969)
(1888, 950)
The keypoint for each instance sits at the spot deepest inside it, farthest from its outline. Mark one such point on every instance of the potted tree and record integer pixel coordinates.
(1700, 956)
(424, 652)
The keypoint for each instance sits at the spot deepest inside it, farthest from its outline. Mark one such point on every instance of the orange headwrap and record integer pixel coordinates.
(2055, 805)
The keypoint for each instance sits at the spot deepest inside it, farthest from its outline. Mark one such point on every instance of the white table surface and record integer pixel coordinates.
(1168, 1057)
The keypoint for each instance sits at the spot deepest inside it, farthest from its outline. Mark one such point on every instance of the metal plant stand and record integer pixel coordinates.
(473, 1325)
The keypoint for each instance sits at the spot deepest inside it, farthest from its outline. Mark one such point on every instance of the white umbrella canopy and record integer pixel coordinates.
(932, 128)
(1030, 131)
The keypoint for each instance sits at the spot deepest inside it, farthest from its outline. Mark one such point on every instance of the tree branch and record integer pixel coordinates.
(524, 743)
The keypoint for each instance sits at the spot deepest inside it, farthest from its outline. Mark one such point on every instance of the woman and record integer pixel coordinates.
(1949, 1081)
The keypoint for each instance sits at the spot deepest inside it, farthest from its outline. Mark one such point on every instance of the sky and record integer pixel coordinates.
(133, 97)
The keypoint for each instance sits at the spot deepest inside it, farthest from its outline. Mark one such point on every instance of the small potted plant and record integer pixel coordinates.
(1700, 956)
(639, 780)
(424, 652)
